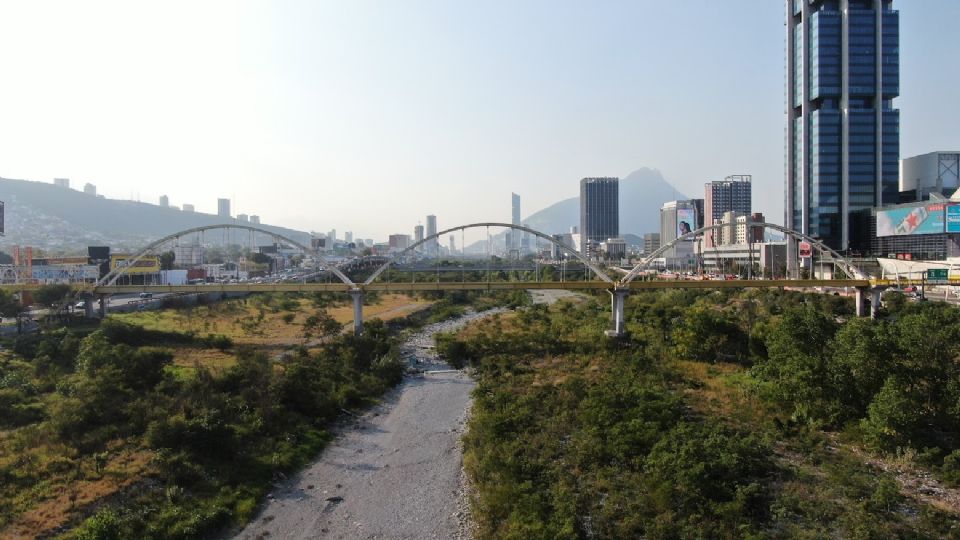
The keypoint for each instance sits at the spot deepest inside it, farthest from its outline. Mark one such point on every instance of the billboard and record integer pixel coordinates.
(146, 265)
(686, 221)
(953, 218)
(805, 250)
(926, 219)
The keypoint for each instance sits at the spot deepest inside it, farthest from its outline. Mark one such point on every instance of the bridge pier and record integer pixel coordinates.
(618, 298)
(88, 310)
(861, 302)
(357, 295)
(103, 306)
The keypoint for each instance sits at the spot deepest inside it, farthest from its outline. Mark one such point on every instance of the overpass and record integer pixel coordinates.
(602, 280)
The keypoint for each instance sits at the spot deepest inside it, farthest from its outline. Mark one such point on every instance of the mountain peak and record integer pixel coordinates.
(642, 192)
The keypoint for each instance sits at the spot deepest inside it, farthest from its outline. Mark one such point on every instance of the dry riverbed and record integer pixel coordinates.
(394, 472)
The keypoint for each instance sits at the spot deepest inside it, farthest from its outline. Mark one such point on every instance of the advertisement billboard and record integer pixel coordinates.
(805, 250)
(953, 218)
(686, 221)
(146, 265)
(927, 219)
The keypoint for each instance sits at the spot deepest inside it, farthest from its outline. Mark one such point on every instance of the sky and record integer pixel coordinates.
(369, 115)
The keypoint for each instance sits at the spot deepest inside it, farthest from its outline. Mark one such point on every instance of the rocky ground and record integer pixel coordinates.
(394, 472)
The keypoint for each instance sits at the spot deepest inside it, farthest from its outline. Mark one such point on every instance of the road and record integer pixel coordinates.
(395, 472)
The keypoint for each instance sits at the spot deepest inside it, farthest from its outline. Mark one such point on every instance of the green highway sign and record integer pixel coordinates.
(937, 273)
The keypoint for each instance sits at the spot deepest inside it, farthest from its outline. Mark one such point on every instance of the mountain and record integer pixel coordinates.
(63, 220)
(642, 192)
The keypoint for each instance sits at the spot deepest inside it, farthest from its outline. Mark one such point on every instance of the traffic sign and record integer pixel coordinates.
(937, 274)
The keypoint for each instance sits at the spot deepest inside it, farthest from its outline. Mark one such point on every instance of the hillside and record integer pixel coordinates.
(65, 220)
(642, 192)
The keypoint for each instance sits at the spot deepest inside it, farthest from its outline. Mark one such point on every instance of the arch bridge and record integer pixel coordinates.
(601, 278)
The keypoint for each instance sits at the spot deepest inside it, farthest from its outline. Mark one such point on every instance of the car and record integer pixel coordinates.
(910, 289)
(146, 295)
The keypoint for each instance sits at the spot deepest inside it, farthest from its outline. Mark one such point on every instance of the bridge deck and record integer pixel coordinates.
(467, 286)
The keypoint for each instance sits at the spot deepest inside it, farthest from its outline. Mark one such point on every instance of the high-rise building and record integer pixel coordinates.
(732, 194)
(433, 246)
(599, 211)
(453, 244)
(331, 237)
(62, 182)
(164, 201)
(255, 219)
(243, 218)
(348, 236)
(678, 218)
(514, 236)
(418, 233)
(90, 189)
(398, 242)
(223, 208)
(843, 143)
(188, 207)
(651, 242)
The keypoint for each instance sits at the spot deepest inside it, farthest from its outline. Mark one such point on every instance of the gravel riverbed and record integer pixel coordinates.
(394, 472)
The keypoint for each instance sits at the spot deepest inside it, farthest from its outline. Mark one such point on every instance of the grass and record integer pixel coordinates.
(259, 320)
(67, 484)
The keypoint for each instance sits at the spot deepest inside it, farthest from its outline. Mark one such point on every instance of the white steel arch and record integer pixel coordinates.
(114, 274)
(820, 246)
(594, 268)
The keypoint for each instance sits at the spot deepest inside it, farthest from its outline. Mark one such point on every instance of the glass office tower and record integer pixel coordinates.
(842, 133)
(599, 211)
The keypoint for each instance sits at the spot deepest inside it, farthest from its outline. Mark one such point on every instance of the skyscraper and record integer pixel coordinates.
(732, 194)
(223, 208)
(599, 211)
(514, 235)
(418, 233)
(433, 246)
(843, 141)
(164, 201)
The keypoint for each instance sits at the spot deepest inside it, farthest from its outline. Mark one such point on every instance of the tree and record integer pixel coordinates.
(166, 260)
(320, 322)
(49, 295)
(704, 334)
(862, 357)
(9, 305)
(262, 258)
(798, 362)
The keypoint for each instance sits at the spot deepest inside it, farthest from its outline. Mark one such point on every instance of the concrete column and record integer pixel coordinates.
(103, 306)
(875, 302)
(357, 295)
(88, 309)
(618, 298)
(861, 302)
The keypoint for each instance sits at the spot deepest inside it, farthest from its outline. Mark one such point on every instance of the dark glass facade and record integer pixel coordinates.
(599, 210)
(843, 140)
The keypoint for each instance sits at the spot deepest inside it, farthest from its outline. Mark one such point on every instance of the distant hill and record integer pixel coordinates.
(66, 220)
(642, 192)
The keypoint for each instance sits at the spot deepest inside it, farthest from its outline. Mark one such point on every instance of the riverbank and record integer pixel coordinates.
(393, 472)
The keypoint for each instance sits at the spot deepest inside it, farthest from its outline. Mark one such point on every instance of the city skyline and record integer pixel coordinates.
(235, 107)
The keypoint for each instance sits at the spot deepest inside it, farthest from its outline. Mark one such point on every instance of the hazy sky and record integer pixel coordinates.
(367, 116)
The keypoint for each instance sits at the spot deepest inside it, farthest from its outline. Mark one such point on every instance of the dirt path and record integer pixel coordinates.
(550, 296)
(395, 472)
